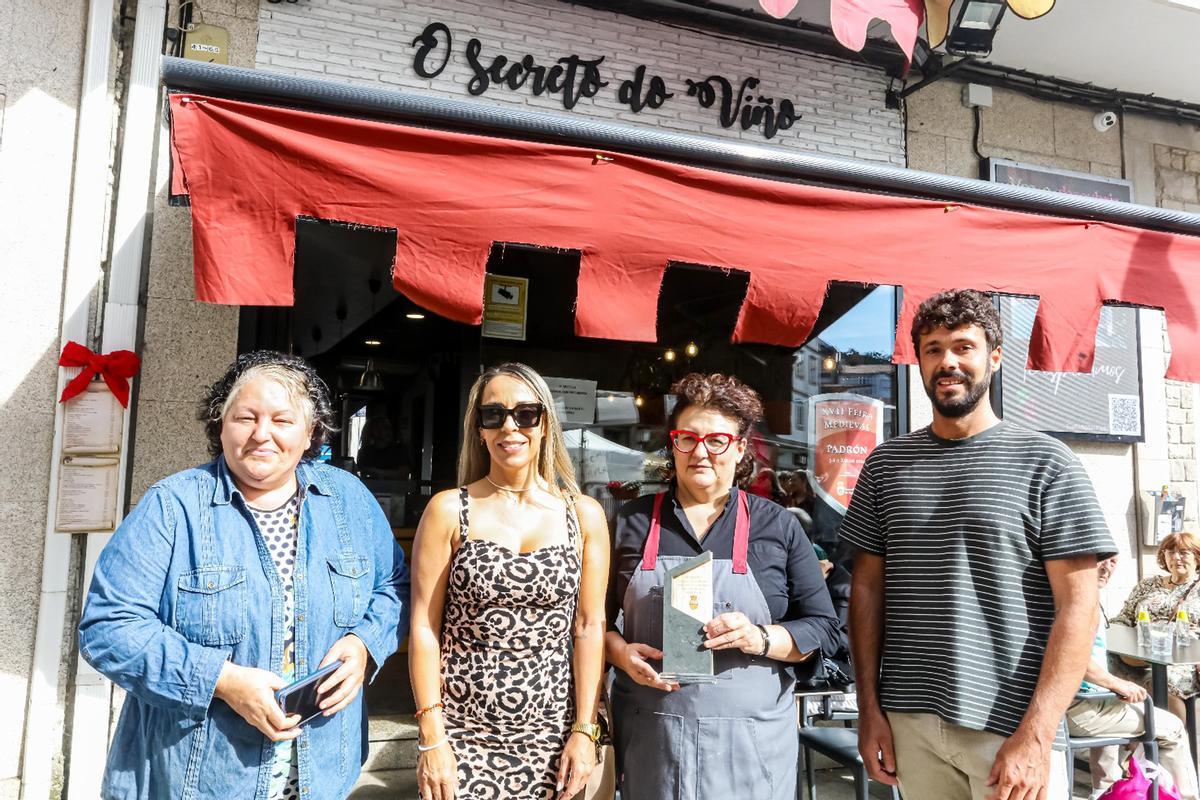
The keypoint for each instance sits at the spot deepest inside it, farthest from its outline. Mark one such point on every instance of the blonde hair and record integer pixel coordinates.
(552, 463)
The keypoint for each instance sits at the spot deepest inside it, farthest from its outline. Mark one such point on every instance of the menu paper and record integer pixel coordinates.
(87, 494)
(93, 421)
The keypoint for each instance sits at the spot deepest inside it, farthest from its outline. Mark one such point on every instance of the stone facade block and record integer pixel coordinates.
(961, 159)
(1076, 137)
(1017, 122)
(926, 151)
(22, 528)
(172, 327)
(169, 439)
(171, 273)
(1177, 185)
(938, 108)
(1162, 155)
(1178, 471)
(1105, 170)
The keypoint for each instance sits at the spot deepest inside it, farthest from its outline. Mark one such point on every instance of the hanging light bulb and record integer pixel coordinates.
(691, 351)
(669, 355)
(639, 401)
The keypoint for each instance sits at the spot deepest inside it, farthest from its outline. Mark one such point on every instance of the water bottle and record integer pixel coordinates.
(1143, 626)
(1183, 627)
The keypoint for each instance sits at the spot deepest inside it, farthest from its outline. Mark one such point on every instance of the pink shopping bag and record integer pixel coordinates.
(1136, 783)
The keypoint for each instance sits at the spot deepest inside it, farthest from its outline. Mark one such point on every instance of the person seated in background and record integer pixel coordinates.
(1125, 716)
(1163, 596)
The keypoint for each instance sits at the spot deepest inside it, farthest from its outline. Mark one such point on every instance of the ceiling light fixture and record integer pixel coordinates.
(370, 380)
(414, 315)
(372, 342)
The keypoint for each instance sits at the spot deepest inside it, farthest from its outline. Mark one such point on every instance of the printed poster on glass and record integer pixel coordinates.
(843, 429)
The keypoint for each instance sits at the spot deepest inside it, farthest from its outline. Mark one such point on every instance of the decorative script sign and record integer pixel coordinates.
(843, 429)
(573, 78)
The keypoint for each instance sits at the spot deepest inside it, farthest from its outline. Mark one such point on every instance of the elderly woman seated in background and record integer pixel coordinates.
(1163, 596)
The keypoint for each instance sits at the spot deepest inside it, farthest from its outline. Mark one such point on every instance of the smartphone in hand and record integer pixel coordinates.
(301, 697)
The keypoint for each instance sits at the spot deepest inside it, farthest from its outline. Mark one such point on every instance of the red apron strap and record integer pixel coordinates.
(650, 553)
(741, 534)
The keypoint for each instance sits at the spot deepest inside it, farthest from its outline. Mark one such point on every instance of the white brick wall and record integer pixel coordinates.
(841, 104)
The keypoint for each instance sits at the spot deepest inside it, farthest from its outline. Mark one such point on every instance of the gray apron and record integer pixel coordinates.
(732, 738)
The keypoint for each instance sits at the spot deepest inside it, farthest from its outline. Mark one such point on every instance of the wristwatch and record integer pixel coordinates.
(766, 640)
(588, 729)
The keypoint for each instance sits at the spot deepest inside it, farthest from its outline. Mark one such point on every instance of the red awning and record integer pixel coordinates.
(251, 170)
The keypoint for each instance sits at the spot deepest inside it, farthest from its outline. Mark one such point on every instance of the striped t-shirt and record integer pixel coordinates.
(964, 527)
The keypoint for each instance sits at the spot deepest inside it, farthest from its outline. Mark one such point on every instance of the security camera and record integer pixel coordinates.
(1104, 120)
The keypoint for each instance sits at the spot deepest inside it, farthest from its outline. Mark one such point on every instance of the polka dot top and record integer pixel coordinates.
(278, 528)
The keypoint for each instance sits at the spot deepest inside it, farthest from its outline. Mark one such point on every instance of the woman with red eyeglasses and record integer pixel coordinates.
(771, 618)
(507, 643)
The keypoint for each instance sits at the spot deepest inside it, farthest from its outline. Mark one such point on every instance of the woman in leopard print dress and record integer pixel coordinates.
(506, 653)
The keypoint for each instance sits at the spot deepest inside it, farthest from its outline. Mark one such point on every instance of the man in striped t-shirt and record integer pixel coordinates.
(974, 584)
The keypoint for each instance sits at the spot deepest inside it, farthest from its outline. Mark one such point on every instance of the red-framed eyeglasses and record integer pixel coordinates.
(715, 443)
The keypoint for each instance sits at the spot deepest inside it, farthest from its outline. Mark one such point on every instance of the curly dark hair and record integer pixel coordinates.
(212, 407)
(955, 308)
(725, 394)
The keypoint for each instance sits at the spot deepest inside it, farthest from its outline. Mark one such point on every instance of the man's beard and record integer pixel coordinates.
(975, 392)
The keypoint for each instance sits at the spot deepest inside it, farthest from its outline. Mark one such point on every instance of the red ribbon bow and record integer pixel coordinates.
(116, 368)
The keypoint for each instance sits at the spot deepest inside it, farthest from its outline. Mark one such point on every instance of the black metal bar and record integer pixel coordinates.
(1158, 684)
(760, 160)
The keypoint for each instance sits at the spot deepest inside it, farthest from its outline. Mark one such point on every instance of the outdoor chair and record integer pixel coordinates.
(837, 743)
(1070, 744)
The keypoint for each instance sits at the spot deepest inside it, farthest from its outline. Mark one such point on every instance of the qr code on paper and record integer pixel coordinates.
(1124, 415)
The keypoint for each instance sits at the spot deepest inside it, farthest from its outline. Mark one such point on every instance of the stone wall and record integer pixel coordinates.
(1176, 185)
(943, 136)
(40, 73)
(186, 344)
(1176, 172)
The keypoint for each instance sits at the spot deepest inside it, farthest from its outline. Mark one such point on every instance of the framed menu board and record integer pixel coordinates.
(1103, 405)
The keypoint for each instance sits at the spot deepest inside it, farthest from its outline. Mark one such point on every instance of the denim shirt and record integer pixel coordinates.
(186, 584)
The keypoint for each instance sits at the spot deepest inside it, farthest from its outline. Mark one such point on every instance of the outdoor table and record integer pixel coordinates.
(1122, 640)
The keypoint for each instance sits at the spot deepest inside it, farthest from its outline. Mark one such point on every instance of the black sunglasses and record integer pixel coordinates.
(525, 415)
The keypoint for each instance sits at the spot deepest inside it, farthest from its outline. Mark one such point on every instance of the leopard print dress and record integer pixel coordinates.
(506, 663)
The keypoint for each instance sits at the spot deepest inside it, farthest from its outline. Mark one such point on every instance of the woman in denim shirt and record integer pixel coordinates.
(230, 581)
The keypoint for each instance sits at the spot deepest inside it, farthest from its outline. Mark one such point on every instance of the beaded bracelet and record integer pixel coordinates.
(425, 748)
(422, 712)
